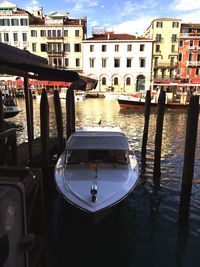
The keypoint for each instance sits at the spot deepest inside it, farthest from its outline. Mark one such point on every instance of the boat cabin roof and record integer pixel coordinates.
(98, 140)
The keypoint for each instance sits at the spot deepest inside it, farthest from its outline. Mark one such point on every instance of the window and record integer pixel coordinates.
(198, 43)
(128, 81)
(33, 33)
(172, 61)
(159, 24)
(54, 33)
(190, 57)
(66, 62)
(116, 82)
(34, 47)
(197, 72)
(59, 33)
(129, 47)
(91, 48)
(4, 22)
(6, 37)
(142, 62)
(59, 47)
(77, 62)
(173, 49)
(156, 61)
(77, 47)
(181, 43)
(142, 47)
(91, 62)
(103, 61)
(14, 22)
(42, 33)
(23, 22)
(163, 73)
(180, 55)
(43, 47)
(158, 37)
(49, 33)
(174, 37)
(128, 62)
(157, 48)
(175, 24)
(24, 37)
(155, 73)
(191, 43)
(15, 37)
(103, 48)
(66, 47)
(65, 33)
(76, 33)
(116, 62)
(103, 81)
(198, 57)
(116, 48)
(0, 37)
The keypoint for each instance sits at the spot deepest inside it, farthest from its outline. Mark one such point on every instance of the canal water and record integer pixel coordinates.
(144, 231)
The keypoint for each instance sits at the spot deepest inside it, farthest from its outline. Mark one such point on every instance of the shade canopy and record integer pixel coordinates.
(97, 141)
(22, 63)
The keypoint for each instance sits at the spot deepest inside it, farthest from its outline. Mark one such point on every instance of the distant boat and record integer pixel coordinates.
(137, 101)
(10, 107)
(97, 170)
(80, 95)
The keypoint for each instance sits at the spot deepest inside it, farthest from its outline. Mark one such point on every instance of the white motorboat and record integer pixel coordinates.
(97, 170)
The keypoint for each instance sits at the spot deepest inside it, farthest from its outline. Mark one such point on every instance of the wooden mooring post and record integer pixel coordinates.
(59, 120)
(70, 112)
(158, 137)
(189, 157)
(44, 125)
(146, 126)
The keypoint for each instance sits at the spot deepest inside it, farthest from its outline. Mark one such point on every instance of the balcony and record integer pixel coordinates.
(54, 37)
(190, 35)
(193, 63)
(165, 65)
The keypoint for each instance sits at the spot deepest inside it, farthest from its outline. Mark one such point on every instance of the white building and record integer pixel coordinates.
(118, 61)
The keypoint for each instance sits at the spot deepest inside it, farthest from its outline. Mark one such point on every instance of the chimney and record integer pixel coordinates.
(108, 36)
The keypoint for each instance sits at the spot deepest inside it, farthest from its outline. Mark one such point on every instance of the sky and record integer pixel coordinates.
(120, 16)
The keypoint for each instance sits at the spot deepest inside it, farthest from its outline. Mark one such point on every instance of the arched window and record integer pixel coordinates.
(104, 81)
(140, 84)
(128, 81)
(116, 81)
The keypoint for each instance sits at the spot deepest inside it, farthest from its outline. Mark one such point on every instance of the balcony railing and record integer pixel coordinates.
(165, 64)
(54, 37)
(189, 35)
(193, 63)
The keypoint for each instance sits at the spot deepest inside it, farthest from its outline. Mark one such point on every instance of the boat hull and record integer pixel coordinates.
(10, 112)
(129, 103)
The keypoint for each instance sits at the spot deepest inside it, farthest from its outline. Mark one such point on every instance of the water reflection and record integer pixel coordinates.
(145, 232)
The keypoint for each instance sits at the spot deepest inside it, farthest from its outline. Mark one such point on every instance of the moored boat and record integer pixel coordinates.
(10, 107)
(137, 101)
(97, 170)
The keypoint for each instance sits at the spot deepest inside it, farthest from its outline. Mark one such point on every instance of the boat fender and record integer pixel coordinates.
(93, 192)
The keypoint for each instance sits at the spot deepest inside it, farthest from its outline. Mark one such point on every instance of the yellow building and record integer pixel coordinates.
(165, 35)
(59, 39)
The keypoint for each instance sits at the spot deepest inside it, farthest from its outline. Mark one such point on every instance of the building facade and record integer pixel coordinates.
(55, 36)
(120, 62)
(189, 52)
(165, 35)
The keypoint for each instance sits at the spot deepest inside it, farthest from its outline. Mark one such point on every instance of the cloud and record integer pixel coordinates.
(133, 26)
(191, 17)
(185, 5)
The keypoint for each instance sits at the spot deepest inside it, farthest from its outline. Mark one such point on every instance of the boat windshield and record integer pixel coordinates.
(106, 156)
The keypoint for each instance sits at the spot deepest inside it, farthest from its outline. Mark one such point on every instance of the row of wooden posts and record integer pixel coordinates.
(189, 153)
